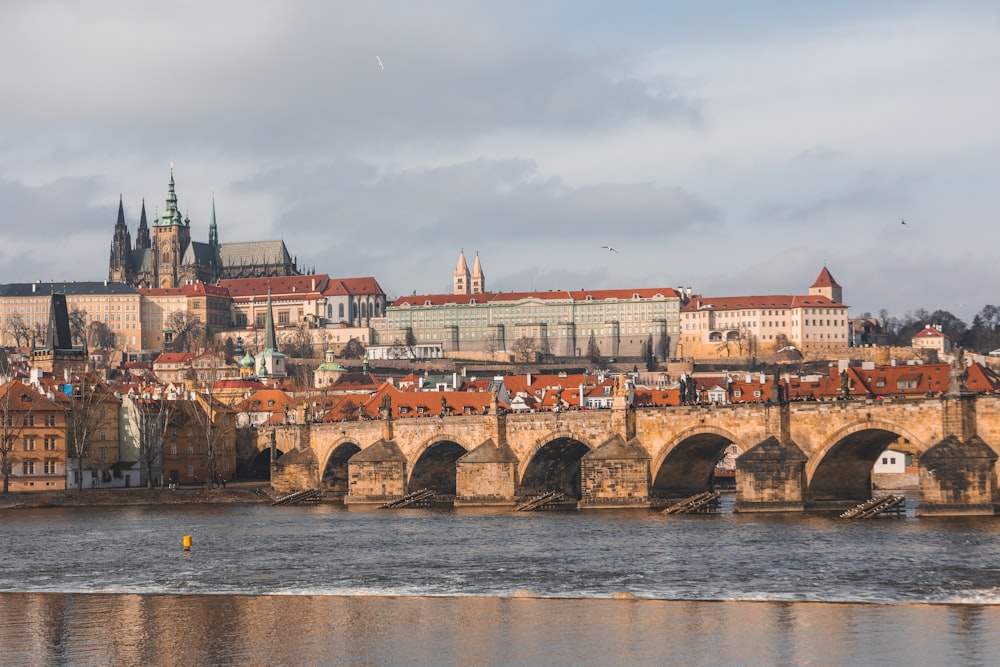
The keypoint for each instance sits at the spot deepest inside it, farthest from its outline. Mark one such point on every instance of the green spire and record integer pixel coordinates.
(270, 339)
(171, 216)
(213, 231)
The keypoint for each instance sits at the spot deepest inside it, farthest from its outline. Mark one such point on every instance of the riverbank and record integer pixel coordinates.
(237, 492)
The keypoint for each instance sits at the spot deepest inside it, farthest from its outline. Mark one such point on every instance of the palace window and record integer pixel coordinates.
(50, 442)
(50, 467)
(29, 420)
(28, 467)
(50, 420)
(29, 443)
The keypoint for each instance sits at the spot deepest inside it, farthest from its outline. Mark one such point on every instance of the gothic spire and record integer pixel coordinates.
(213, 230)
(121, 213)
(142, 240)
(270, 340)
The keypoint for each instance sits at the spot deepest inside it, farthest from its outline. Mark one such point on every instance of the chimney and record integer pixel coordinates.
(313, 284)
(688, 290)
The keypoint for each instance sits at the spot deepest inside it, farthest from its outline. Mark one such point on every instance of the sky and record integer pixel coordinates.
(735, 148)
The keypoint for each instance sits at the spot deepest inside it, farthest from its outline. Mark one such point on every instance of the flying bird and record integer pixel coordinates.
(609, 248)
(380, 65)
(903, 222)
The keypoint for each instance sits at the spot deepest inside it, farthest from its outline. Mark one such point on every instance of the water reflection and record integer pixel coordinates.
(97, 629)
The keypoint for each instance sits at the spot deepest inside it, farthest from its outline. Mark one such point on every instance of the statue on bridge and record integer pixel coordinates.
(777, 396)
(385, 412)
(958, 374)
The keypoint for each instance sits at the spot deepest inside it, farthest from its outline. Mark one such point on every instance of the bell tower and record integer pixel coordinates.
(171, 237)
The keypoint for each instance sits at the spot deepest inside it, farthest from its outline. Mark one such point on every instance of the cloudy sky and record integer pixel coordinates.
(731, 147)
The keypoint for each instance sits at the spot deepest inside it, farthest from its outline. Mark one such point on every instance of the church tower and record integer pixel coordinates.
(478, 279)
(462, 278)
(142, 241)
(120, 269)
(826, 286)
(171, 237)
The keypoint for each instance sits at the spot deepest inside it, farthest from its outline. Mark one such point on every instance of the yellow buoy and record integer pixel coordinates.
(187, 542)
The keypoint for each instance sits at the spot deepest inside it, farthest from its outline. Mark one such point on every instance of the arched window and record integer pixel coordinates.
(340, 311)
(364, 310)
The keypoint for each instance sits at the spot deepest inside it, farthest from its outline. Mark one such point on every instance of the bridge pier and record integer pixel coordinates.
(376, 474)
(770, 477)
(615, 474)
(486, 476)
(958, 478)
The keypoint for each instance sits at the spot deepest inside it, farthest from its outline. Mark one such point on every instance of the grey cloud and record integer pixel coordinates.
(347, 207)
(870, 192)
(305, 81)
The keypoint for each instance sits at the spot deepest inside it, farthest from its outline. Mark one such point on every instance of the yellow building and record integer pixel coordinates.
(207, 304)
(742, 326)
(27, 305)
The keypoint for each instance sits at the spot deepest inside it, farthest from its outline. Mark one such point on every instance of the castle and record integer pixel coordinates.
(169, 258)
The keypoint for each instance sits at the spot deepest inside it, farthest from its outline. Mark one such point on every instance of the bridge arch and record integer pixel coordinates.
(260, 465)
(840, 469)
(335, 471)
(433, 464)
(684, 465)
(553, 464)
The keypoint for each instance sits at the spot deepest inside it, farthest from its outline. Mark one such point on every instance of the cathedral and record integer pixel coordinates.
(165, 256)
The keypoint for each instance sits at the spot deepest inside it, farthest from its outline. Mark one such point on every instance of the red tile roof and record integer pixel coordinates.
(577, 295)
(930, 332)
(825, 279)
(351, 286)
(280, 286)
(768, 301)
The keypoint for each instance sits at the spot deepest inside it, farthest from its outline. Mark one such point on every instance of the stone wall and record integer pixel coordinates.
(488, 483)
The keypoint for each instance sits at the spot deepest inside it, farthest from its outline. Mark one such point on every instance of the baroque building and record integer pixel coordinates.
(166, 257)
(816, 323)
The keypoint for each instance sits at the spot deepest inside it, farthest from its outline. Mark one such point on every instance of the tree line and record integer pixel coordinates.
(982, 336)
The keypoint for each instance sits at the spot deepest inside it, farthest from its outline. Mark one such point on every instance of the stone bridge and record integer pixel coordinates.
(796, 456)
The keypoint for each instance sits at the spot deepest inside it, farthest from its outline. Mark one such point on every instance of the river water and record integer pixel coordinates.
(323, 584)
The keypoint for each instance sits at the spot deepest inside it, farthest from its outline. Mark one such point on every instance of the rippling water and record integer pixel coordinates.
(430, 580)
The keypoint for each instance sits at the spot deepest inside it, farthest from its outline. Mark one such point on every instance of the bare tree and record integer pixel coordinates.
(189, 332)
(216, 421)
(99, 335)
(593, 350)
(90, 402)
(493, 344)
(398, 351)
(39, 332)
(299, 343)
(746, 343)
(13, 417)
(18, 329)
(153, 419)
(78, 325)
(524, 348)
(353, 350)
